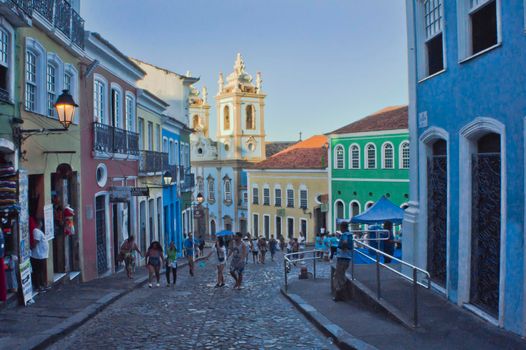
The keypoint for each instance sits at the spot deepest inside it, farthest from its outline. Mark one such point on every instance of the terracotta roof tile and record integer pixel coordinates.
(389, 118)
(308, 154)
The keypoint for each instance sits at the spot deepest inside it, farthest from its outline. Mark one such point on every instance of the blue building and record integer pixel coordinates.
(465, 223)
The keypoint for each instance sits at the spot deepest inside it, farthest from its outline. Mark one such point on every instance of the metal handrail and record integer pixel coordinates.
(287, 261)
(413, 280)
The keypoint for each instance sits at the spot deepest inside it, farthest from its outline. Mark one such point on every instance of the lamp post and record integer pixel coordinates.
(167, 178)
(198, 215)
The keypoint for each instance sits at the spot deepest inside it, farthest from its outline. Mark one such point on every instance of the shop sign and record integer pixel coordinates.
(324, 207)
(198, 213)
(23, 226)
(139, 191)
(49, 222)
(120, 194)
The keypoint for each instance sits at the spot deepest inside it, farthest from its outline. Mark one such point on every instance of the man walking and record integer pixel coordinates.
(39, 255)
(343, 258)
(238, 251)
(189, 250)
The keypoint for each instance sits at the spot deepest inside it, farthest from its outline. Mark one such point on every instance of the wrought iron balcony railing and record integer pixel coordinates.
(62, 16)
(110, 140)
(4, 95)
(189, 182)
(153, 162)
(25, 5)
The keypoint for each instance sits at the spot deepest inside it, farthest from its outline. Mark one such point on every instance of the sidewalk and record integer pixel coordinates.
(356, 326)
(64, 308)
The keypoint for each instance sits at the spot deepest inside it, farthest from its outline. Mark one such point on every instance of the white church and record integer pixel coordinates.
(219, 166)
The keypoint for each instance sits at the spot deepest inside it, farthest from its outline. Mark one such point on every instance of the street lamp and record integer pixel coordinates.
(65, 107)
(167, 178)
(200, 198)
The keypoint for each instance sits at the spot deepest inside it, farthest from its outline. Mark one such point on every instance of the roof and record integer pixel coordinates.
(184, 77)
(116, 51)
(389, 118)
(277, 146)
(308, 154)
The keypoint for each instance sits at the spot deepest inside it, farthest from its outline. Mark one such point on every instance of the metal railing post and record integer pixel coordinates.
(314, 263)
(415, 298)
(378, 275)
(285, 270)
(352, 262)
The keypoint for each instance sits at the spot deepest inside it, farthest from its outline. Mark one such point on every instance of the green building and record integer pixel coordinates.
(369, 158)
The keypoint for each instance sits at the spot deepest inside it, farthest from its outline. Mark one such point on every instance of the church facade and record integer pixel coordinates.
(219, 165)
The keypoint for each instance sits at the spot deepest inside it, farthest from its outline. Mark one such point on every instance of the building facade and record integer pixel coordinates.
(109, 154)
(288, 192)
(369, 159)
(219, 166)
(465, 223)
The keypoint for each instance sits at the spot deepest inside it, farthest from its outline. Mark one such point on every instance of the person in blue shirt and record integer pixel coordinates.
(334, 245)
(343, 258)
(188, 246)
(319, 245)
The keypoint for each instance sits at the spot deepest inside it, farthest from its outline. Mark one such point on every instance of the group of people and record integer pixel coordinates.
(259, 246)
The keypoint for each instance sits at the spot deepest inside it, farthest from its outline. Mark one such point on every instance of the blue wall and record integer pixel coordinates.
(490, 85)
(171, 205)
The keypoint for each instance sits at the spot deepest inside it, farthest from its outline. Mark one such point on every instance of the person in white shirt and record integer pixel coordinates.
(39, 255)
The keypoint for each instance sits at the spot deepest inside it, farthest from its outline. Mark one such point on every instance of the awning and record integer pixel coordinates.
(381, 211)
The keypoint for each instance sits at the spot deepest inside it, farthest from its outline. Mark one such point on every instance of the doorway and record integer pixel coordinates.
(100, 228)
(290, 228)
(437, 213)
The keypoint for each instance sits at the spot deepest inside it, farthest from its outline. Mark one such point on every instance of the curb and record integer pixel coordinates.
(52, 335)
(342, 339)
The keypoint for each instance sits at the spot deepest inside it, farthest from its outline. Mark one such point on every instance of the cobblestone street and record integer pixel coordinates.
(195, 315)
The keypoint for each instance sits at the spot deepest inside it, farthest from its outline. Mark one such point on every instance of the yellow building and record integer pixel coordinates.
(288, 191)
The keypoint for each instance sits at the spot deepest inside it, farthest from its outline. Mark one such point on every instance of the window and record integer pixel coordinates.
(255, 225)
(200, 185)
(303, 227)
(266, 226)
(245, 197)
(228, 191)
(355, 157)
(290, 198)
(116, 109)
(388, 161)
(340, 209)
(150, 136)
(303, 199)
(479, 26)
(31, 81)
(338, 159)
(226, 118)
(251, 121)
(67, 81)
(176, 153)
(51, 85)
(211, 190)
(434, 44)
(140, 127)
(99, 96)
(158, 137)
(4, 59)
(278, 226)
(255, 195)
(195, 122)
(277, 197)
(404, 155)
(370, 154)
(130, 113)
(166, 149)
(266, 196)
(171, 153)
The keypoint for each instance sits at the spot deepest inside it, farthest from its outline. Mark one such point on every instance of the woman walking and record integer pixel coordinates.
(219, 253)
(255, 249)
(127, 253)
(171, 264)
(273, 246)
(262, 249)
(154, 258)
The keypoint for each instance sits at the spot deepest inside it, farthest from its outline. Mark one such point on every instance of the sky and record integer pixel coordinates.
(324, 63)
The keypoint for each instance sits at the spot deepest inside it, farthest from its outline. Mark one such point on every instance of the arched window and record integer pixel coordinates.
(404, 155)
(370, 156)
(339, 212)
(51, 86)
(251, 121)
(195, 122)
(211, 190)
(387, 156)
(130, 112)
(228, 190)
(355, 157)
(338, 157)
(290, 196)
(212, 227)
(226, 118)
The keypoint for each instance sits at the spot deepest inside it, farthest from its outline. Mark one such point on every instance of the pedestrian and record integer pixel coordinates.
(189, 251)
(334, 246)
(171, 264)
(248, 243)
(273, 246)
(201, 246)
(237, 250)
(262, 249)
(219, 257)
(255, 250)
(327, 245)
(154, 258)
(302, 240)
(282, 244)
(295, 249)
(127, 254)
(39, 255)
(318, 246)
(343, 258)
(388, 245)
(289, 245)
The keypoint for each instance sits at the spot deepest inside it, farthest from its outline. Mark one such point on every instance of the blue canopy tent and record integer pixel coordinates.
(381, 211)
(224, 233)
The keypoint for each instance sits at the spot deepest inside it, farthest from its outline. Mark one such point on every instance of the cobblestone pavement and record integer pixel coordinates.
(195, 315)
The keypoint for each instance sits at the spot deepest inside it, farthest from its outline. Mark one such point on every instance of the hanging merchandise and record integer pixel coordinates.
(69, 225)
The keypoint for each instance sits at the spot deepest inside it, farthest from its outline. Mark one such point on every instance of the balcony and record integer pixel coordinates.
(109, 141)
(153, 162)
(60, 15)
(189, 181)
(18, 12)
